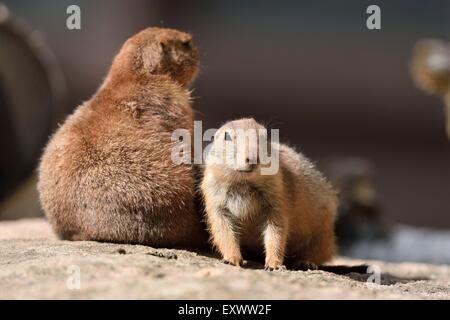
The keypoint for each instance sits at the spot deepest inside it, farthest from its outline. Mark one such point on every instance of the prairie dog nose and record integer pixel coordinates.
(251, 160)
(248, 165)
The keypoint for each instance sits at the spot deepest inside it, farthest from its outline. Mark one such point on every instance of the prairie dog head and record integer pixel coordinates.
(242, 147)
(158, 51)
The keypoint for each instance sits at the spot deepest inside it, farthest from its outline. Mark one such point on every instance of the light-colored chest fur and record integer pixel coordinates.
(244, 201)
(249, 205)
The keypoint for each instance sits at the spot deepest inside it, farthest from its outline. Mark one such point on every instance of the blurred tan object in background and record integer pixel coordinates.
(431, 70)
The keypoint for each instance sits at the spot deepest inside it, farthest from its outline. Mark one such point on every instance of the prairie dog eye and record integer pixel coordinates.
(187, 44)
(227, 136)
(164, 48)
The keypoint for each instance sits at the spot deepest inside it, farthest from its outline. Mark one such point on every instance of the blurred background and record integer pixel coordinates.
(341, 93)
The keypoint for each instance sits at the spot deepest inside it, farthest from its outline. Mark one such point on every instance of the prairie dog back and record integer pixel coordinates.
(107, 174)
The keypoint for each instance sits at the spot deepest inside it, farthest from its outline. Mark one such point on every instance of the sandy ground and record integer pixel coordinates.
(35, 265)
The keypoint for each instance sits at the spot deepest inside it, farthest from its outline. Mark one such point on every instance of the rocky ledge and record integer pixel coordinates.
(36, 265)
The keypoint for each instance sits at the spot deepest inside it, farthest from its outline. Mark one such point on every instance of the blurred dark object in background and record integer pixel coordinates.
(359, 213)
(31, 99)
(363, 232)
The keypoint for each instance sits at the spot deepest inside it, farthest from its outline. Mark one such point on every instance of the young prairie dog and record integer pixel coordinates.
(289, 215)
(107, 173)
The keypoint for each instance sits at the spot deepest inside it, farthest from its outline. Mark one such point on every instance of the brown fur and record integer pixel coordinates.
(106, 173)
(430, 69)
(288, 215)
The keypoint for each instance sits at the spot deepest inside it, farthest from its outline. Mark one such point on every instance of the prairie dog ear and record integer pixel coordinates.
(430, 65)
(151, 57)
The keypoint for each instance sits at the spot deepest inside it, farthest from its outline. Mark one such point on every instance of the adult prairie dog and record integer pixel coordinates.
(430, 69)
(107, 172)
(288, 214)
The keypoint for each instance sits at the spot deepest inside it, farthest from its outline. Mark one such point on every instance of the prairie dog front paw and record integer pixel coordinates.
(234, 260)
